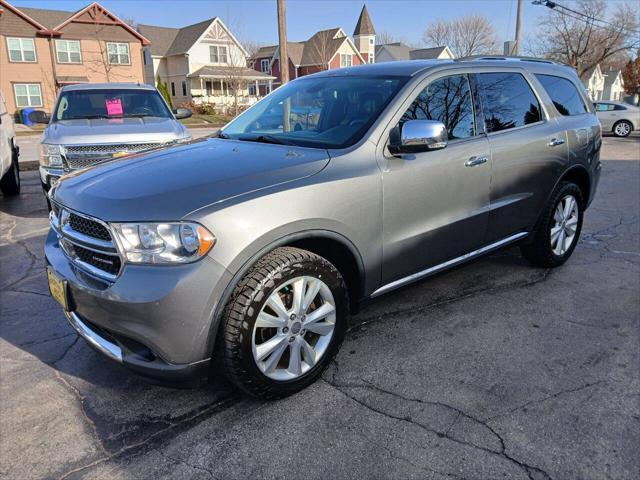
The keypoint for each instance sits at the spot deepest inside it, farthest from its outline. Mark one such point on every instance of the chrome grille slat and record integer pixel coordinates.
(87, 242)
(83, 156)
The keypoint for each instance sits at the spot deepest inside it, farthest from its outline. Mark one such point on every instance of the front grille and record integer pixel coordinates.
(88, 227)
(83, 156)
(108, 263)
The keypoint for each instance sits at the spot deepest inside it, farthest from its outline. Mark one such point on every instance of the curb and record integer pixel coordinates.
(28, 165)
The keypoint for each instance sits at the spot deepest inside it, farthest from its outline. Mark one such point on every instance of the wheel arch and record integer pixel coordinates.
(613, 127)
(331, 245)
(580, 176)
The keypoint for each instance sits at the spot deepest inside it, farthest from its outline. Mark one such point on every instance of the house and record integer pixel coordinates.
(613, 85)
(202, 63)
(399, 51)
(593, 79)
(43, 50)
(324, 50)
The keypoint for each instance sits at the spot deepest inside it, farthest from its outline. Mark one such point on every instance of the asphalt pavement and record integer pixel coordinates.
(494, 370)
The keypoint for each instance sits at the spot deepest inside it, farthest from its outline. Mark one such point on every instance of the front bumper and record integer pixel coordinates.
(158, 321)
(49, 175)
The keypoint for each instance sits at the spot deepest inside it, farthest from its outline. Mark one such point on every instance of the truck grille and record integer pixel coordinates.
(87, 242)
(83, 156)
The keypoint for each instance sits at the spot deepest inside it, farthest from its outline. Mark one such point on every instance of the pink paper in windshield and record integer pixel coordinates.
(114, 106)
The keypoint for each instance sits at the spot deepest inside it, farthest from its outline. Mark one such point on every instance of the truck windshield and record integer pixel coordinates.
(116, 103)
(324, 112)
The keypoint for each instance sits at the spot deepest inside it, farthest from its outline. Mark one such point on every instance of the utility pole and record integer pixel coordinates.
(282, 38)
(518, 21)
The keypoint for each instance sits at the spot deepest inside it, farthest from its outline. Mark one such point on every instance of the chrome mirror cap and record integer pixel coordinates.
(418, 136)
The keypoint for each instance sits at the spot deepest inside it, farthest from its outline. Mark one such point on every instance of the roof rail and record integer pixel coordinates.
(507, 57)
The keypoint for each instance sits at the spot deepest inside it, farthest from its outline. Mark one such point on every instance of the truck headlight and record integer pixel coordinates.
(51, 155)
(176, 242)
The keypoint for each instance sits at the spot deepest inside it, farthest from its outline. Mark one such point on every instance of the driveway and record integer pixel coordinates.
(494, 370)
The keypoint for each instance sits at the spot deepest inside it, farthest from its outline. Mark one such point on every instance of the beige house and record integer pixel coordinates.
(399, 51)
(202, 63)
(42, 50)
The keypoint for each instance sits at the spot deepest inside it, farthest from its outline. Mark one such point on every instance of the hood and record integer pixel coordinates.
(170, 183)
(114, 130)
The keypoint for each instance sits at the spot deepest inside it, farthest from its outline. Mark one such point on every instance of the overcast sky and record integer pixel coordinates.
(256, 20)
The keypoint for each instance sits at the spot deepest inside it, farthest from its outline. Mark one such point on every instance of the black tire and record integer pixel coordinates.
(247, 300)
(626, 132)
(10, 183)
(538, 250)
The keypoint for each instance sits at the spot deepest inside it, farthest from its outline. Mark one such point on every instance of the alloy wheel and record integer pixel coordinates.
(294, 328)
(623, 129)
(565, 224)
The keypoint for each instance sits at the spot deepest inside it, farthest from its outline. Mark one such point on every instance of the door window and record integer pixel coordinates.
(508, 101)
(563, 94)
(447, 100)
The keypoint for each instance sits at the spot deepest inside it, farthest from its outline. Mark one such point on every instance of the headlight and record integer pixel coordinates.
(184, 139)
(51, 155)
(180, 242)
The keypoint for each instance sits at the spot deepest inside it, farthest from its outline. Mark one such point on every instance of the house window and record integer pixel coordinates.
(118, 53)
(346, 60)
(184, 88)
(22, 50)
(371, 58)
(371, 41)
(68, 51)
(208, 85)
(173, 89)
(28, 95)
(252, 89)
(218, 54)
(264, 65)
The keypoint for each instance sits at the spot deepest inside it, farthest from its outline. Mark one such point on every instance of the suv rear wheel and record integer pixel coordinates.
(10, 182)
(559, 228)
(284, 323)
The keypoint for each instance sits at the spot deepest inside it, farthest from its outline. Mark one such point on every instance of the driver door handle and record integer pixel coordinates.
(555, 142)
(473, 161)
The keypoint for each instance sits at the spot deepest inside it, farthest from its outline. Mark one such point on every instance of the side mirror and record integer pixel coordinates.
(38, 116)
(418, 136)
(182, 113)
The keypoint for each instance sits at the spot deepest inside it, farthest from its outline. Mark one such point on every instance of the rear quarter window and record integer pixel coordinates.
(563, 94)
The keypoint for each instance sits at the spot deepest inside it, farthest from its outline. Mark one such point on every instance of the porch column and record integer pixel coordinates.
(257, 88)
(202, 92)
(270, 86)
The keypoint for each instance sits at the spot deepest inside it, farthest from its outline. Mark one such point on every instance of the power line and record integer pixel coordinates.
(582, 16)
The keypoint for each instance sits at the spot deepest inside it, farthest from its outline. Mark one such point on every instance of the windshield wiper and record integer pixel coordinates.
(267, 139)
(138, 115)
(86, 117)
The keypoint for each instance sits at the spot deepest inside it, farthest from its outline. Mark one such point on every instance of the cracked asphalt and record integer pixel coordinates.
(493, 370)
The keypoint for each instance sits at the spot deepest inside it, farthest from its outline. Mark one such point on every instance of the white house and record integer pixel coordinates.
(613, 85)
(203, 63)
(594, 81)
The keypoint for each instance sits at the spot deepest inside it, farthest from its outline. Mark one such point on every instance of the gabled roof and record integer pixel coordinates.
(220, 71)
(42, 29)
(364, 25)
(167, 41)
(294, 51)
(610, 76)
(49, 18)
(322, 46)
(398, 50)
(266, 51)
(429, 53)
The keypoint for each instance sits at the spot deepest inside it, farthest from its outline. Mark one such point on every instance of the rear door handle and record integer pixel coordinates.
(555, 142)
(473, 161)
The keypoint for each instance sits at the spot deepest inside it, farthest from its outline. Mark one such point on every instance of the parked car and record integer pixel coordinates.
(247, 252)
(96, 122)
(619, 118)
(9, 152)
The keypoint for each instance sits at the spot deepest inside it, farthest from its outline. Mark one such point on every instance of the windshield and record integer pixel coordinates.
(124, 103)
(325, 112)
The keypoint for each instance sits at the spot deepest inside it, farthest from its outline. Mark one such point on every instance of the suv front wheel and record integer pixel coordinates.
(558, 229)
(284, 323)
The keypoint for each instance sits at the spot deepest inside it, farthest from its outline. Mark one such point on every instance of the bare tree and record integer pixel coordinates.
(385, 38)
(468, 35)
(584, 42)
(323, 48)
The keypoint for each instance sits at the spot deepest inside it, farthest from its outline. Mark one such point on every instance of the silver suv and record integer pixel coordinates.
(246, 253)
(95, 122)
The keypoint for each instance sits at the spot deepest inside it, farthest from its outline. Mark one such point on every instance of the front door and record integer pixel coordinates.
(435, 204)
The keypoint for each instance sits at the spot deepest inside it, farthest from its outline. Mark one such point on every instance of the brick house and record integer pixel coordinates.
(202, 63)
(43, 50)
(324, 50)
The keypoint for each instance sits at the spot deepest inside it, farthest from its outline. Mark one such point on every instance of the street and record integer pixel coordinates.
(494, 370)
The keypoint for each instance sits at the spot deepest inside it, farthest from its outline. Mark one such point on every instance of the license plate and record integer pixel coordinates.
(58, 288)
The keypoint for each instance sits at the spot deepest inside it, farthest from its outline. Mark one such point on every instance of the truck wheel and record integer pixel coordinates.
(622, 128)
(558, 229)
(10, 183)
(284, 323)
